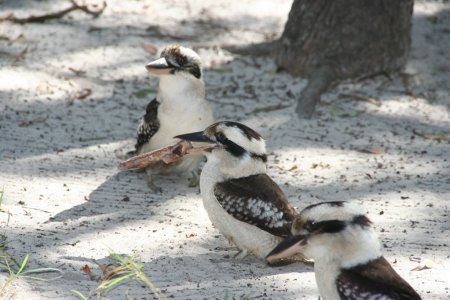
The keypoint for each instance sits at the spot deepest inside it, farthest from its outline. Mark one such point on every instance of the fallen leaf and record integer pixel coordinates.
(72, 244)
(426, 264)
(221, 70)
(344, 114)
(270, 108)
(190, 235)
(83, 94)
(76, 71)
(43, 88)
(440, 137)
(92, 276)
(362, 97)
(293, 168)
(86, 269)
(33, 121)
(321, 165)
(109, 270)
(144, 92)
(150, 49)
(373, 150)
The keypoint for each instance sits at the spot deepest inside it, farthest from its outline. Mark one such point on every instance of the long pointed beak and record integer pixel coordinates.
(159, 67)
(287, 248)
(195, 137)
(201, 137)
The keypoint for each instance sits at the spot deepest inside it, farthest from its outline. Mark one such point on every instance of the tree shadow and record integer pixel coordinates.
(47, 138)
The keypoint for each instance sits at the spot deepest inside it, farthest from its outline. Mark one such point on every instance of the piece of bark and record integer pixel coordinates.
(166, 155)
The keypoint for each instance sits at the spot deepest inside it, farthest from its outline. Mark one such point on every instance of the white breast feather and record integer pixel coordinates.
(180, 112)
(245, 236)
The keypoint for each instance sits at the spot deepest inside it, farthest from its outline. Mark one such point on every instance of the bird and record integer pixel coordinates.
(179, 105)
(241, 200)
(348, 263)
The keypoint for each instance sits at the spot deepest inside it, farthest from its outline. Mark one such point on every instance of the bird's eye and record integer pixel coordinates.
(220, 137)
(309, 226)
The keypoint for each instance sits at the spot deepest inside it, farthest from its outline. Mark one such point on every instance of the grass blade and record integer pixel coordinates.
(79, 294)
(42, 270)
(24, 263)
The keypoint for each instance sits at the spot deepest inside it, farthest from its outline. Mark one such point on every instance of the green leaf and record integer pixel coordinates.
(144, 92)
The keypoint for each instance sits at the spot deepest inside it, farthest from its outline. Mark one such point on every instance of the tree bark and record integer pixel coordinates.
(329, 40)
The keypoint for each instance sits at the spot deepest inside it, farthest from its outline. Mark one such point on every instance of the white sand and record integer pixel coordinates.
(58, 163)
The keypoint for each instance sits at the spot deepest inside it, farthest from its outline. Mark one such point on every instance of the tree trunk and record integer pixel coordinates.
(328, 40)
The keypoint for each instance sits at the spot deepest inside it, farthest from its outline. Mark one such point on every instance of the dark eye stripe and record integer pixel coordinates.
(333, 226)
(232, 147)
(195, 71)
(236, 150)
(362, 221)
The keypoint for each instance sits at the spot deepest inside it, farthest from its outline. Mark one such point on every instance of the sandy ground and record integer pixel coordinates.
(69, 205)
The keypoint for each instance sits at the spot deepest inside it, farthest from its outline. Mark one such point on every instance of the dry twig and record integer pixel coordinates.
(270, 108)
(54, 15)
(167, 155)
(362, 97)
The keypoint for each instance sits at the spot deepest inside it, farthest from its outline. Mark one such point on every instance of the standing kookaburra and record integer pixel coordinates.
(347, 260)
(179, 106)
(242, 202)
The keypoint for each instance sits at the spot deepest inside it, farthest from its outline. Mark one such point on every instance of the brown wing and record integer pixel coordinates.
(376, 280)
(257, 200)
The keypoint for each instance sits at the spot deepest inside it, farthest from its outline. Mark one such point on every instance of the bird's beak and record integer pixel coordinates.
(159, 67)
(201, 137)
(287, 248)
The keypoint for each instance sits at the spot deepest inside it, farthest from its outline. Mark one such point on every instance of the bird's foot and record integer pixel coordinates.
(194, 181)
(241, 254)
(153, 188)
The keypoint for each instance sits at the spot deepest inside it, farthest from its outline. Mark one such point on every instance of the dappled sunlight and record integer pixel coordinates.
(72, 92)
(111, 62)
(12, 79)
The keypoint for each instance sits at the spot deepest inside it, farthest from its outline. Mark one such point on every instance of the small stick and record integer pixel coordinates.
(54, 15)
(362, 97)
(167, 155)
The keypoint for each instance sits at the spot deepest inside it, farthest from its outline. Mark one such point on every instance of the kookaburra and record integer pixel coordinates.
(348, 263)
(179, 106)
(241, 200)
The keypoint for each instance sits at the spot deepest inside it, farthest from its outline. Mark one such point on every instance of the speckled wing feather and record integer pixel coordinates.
(257, 200)
(377, 280)
(149, 125)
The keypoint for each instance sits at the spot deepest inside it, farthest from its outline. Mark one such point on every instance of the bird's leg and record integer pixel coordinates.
(195, 179)
(241, 254)
(153, 188)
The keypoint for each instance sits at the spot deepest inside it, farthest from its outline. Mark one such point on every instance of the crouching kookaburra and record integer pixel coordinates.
(179, 106)
(241, 200)
(348, 263)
